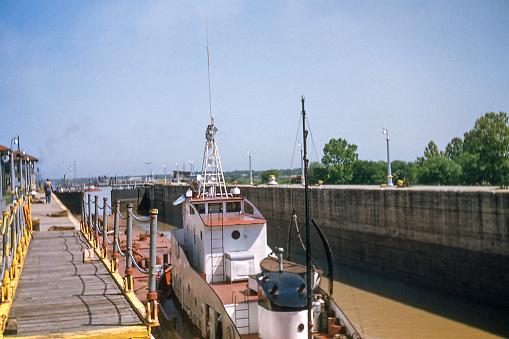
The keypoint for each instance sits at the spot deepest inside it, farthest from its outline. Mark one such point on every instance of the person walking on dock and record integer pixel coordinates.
(47, 190)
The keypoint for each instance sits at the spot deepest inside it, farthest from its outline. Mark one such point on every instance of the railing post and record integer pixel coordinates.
(105, 229)
(83, 214)
(89, 218)
(6, 280)
(96, 223)
(128, 283)
(22, 227)
(114, 260)
(152, 293)
(14, 226)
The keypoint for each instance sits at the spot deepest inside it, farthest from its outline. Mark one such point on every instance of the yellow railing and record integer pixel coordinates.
(16, 232)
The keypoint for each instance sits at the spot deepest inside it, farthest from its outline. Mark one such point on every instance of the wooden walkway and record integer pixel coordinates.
(61, 296)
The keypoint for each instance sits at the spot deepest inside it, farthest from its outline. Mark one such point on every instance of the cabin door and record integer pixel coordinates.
(215, 327)
(195, 250)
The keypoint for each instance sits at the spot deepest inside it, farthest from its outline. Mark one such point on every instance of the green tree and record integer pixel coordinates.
(339, 151)
(487, 148)
(369, 172)
(434, 168)
(431, 151)
(454, 149)
(338, 156)
(438, 171)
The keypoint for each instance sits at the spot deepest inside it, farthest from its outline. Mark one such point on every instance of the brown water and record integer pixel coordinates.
(383, 308)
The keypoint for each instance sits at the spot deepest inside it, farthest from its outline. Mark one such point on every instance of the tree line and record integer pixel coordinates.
(481, 157)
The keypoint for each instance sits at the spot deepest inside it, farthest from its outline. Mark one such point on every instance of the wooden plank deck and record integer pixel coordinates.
(61, 296)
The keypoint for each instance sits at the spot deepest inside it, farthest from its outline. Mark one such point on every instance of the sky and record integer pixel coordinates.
(112, 85)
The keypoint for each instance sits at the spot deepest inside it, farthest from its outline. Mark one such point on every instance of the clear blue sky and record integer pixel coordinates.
(114, 84)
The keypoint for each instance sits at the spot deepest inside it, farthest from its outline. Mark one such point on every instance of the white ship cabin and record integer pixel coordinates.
(225, 237)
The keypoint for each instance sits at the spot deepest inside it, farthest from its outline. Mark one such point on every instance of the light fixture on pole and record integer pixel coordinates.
(178, 179)
(164, 170)
(389, 175)
(14, 140)
(250, 171)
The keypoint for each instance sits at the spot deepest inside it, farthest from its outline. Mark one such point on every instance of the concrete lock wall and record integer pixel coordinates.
(453, 240)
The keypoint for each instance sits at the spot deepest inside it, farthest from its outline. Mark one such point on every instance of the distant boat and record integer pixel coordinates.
(224, 276)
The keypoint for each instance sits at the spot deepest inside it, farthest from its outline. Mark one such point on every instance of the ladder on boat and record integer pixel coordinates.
(217, 253)
(241, 314)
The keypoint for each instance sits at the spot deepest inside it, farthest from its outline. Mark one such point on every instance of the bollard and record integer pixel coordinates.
(96, 223)
(128, 283)
(105, 229)
(114, 260)
(152, 293)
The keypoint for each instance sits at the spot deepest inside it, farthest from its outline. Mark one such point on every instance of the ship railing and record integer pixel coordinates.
(16, 230)
(94, 230)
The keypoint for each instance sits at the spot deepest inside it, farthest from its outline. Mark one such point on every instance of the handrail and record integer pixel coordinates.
(144, 219)
(136, 264)
(90, 227)
(16, 233)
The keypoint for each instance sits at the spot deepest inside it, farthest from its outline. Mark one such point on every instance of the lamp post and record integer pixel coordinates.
(14, 140)
(250, 171)
(21, 177)
(191, 167)
(389, 175)
(164, 170)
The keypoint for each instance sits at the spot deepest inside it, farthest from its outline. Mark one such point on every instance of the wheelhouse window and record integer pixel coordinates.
(233, 207)
(200, 208)
(215, 208)
(248, 209)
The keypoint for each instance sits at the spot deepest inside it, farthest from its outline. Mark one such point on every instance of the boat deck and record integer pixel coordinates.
(228, 292)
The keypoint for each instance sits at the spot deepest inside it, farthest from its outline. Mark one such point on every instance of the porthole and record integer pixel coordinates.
(235, 234)
(301, 327)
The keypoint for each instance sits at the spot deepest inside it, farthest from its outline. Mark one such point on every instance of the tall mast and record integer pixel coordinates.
(308, 233)
(211, 170)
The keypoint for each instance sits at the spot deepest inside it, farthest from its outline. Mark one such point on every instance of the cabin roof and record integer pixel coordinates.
(217, 199)
(283, 288)
(222, 219)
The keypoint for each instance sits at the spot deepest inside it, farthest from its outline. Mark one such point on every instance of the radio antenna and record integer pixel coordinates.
(208, 64)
